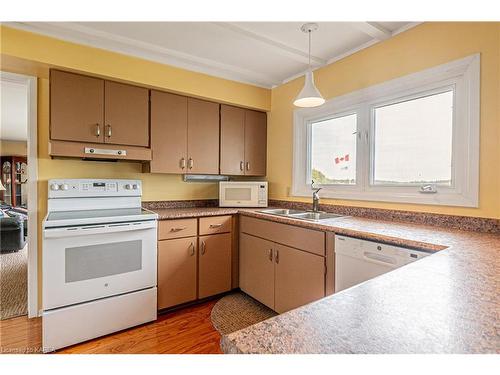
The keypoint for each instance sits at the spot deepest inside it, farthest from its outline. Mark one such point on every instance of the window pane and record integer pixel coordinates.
(333, 150)
(413, 141)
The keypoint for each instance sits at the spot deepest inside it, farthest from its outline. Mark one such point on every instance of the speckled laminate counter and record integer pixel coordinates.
(182, 213)
(444, 303)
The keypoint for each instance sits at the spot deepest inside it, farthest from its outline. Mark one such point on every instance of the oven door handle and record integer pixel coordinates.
(98, 229)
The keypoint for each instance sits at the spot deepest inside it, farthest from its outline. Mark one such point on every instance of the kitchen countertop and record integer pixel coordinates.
(445, 303)
(182, 213)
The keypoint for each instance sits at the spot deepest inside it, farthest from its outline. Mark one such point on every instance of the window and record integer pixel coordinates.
(333, 151)
(414, 139)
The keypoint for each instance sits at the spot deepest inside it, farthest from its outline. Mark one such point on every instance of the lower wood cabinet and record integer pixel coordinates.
(281, 277)
(214, 264)
(257, 268)
(299, 278)
(177, 278)
(193, 267)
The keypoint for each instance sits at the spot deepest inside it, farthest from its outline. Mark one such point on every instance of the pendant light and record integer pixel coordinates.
(309, 96)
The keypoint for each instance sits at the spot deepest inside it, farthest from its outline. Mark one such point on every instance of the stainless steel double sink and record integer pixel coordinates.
(301, 215)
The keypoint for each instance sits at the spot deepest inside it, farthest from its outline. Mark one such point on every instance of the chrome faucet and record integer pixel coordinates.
(315, 198)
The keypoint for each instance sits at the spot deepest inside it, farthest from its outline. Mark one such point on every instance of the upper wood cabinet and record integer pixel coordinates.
(243, 141)
(76, 107)
(92, 110)
(255, 143)
(203, 137)
(168, 132)
(126, 114)
(232, 140)
(184, 134)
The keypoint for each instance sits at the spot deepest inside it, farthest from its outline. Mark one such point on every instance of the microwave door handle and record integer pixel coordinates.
(97, 229)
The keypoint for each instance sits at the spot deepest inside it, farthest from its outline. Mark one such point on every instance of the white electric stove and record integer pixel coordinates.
(99, 260)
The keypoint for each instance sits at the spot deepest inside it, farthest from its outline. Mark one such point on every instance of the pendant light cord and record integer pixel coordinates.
(309, 32)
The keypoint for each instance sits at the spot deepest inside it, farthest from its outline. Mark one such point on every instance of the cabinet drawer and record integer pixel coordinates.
(215, 224)
(168, 229)
(309, 240)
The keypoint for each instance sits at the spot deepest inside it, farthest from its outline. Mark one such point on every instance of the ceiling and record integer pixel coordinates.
(265, 54)
(14, 111)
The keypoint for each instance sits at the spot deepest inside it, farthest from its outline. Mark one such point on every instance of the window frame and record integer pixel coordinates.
(462, 76)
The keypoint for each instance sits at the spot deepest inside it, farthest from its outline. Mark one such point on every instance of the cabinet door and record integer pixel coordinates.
(300, 278)
(255, 143)
(232, 140)
(214, 264)
(76, 107)
(203, 137)
(177, 281)
(257, 268)
(168, 133)
(126, 113)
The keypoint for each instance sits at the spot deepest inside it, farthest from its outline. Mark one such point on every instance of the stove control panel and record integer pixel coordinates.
(74, 188)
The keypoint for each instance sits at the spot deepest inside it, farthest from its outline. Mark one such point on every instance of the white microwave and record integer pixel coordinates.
(243, 194)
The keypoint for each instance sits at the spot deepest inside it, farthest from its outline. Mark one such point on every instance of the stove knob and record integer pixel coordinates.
(128, 186)
(54, 187)
(63, 187)
(135, 187)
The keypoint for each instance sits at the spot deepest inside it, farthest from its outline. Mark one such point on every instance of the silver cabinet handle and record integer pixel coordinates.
(183, 163)
(241, 165)
(190, 163)
(97, 130)
(271, 255)
(192, 249)
(248, 165)
(203, 248)
(108, 127)
(215, 225)
(277, 256)
(178, 229)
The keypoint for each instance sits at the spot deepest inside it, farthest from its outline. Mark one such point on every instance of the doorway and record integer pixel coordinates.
(18, 196)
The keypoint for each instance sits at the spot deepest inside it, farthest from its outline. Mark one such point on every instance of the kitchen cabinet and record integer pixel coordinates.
(243, 141)
(203, 137)
(257, 268)
(255, 143)
(194, 264)
(214, 264)
(168, 132)
(76, 107)
(299, 278)
(94, 112)
(177, 279)
(184, 135)
(232, 138)
(126, 114)
(273, 272)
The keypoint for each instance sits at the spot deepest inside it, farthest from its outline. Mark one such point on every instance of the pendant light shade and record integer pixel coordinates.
(309, 96)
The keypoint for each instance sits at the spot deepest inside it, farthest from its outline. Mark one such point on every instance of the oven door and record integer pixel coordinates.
(84, 263)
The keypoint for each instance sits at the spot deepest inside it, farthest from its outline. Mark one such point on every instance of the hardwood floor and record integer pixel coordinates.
(186, 331)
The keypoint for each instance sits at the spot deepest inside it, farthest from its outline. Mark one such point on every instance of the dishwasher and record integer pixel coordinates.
(359, 260)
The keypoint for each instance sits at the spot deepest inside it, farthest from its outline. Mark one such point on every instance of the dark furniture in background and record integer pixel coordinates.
(13, 175)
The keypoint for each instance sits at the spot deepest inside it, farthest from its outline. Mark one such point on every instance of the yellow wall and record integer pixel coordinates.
(424, 46)
(8, 148)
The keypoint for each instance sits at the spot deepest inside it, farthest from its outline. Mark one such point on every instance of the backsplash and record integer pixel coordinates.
(181, 204)
(476, 224)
